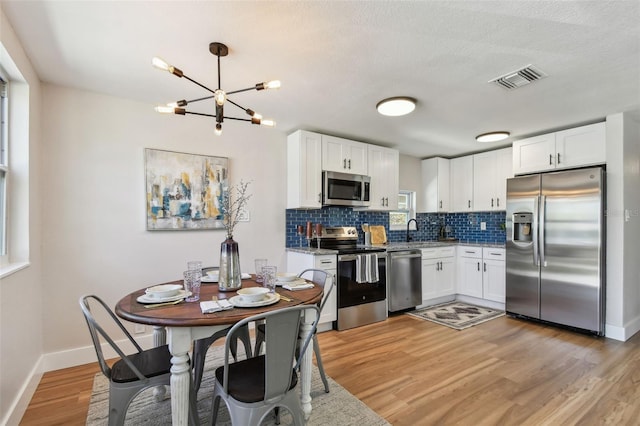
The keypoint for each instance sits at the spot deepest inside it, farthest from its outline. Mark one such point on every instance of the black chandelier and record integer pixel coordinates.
(218, 95)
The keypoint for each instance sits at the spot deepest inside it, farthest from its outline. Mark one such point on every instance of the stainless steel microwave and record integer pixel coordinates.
(345, 189)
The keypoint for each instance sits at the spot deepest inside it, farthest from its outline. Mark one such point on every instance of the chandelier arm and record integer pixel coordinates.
(201, 85)
(200, 99)
(238, 119)
(200, 113)
(242, 90)
(239, 106)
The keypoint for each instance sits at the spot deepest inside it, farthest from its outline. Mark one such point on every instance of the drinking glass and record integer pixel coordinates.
(192, 282)
(269, 274)
(260, 263)
(194, 265)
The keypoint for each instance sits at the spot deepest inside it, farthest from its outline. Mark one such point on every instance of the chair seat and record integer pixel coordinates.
(246, 382)
(151, 363)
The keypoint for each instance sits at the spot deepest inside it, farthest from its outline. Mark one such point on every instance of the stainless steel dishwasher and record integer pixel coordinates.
(404, 279)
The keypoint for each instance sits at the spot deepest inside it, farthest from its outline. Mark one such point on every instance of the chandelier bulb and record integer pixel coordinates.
(273, 84)
(269, 123)
(218, 129)
(165, 109)
(220, 97)
(160, 64)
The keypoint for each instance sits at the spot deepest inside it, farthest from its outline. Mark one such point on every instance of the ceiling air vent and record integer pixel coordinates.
(519, 77)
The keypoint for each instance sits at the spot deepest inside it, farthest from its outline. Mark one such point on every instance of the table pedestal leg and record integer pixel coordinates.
(179, 345)
(159, 339)
(306, 364)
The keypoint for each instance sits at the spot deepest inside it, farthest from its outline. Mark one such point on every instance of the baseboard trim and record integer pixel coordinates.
(19, 406)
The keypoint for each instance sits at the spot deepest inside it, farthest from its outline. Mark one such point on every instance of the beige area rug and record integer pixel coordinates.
(457, 315)
(338, 407)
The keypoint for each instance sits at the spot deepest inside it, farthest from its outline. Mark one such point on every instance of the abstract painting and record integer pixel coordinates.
(184, 191)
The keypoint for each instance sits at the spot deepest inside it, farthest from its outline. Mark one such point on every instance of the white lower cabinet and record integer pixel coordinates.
(438, 272)
(481, 272)
(298, 262)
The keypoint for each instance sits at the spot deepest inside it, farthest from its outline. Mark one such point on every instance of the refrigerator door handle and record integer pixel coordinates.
(543, 207)
(534, 230)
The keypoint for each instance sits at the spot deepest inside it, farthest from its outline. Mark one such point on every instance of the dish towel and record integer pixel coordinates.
(211, 306)
(293, 287)
(361, 268)
(371, 270)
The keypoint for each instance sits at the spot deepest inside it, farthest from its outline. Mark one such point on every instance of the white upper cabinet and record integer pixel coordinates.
(435, 186)
(461, 184)
(304, 170)
(580, 146)
(343, 155)
(384, 172)
(490, 173)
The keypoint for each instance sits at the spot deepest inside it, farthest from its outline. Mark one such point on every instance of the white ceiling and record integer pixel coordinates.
(336, 60)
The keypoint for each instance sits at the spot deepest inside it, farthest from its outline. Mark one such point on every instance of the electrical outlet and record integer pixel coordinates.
(483, 226)
(138, 329)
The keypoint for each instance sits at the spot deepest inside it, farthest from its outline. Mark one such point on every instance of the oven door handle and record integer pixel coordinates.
(347, 257)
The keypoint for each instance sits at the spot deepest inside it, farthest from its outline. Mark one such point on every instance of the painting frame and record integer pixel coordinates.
(184, 191)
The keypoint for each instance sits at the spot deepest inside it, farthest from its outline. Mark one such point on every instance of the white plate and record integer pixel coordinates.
(147, 299)
(208, 279)
(297, 281)
(270, 299)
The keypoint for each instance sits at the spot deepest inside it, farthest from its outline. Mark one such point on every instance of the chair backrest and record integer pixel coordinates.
(319, 277)
(282, 329)
(97, 332)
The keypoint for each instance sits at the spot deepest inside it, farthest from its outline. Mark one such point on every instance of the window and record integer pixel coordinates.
(4, 166)
(406, 211)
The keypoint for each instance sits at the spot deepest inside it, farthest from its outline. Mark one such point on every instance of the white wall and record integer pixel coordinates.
(623, 237)
(410, 176)
(94, 238)
(21, 314)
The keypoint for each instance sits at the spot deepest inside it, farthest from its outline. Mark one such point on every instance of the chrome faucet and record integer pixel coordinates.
(410, 220)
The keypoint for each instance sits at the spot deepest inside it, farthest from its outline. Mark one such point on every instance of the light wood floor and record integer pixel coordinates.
(413, 372)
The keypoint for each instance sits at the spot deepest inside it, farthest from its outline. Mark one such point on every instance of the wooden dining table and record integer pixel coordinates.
(181, 324)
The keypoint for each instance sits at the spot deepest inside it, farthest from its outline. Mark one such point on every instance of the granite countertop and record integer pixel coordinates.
(399, 246)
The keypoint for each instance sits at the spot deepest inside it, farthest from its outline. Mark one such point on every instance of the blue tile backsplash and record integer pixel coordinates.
(464, 226)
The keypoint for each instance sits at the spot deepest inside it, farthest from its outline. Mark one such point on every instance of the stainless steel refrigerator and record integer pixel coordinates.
(556, 248)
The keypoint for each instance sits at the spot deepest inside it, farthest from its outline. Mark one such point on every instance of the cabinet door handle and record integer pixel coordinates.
(551, 159)
(469, 203)
(386, 201)
(320, 197)
(492, 202)
(558, 158)
(497, 202)
(440, 203)
(349, 164)
(484, 267)
(344, 163)
(478, 266)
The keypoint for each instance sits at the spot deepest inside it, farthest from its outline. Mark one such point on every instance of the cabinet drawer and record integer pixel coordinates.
(436, 252)
(467, 251)
(326, 262)
(493, 253)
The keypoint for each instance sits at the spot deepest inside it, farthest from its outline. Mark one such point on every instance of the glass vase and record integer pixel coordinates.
(230, 278)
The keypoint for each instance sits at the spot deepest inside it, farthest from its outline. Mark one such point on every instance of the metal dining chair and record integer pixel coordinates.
(254, 387)
(321, 278)
(131, 374)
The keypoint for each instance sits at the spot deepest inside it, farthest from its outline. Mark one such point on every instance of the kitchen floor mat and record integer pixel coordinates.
(457, 315)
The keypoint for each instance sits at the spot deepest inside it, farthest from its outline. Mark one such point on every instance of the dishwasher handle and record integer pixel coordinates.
(404, 255)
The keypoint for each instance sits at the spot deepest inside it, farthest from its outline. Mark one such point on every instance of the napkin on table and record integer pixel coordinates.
(294, 287)
(211, 306)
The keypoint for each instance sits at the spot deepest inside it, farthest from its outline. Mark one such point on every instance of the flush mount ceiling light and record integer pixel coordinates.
(492, 136)
(396, 106)
(218, 95)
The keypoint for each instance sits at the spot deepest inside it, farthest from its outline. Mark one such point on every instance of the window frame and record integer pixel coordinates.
(409, 212)
(4, 163)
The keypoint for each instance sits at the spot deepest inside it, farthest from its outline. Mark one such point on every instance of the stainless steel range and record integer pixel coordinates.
(361, 280)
